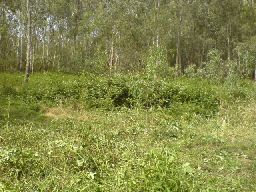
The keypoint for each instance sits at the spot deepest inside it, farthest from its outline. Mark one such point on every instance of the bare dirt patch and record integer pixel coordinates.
(66, 113)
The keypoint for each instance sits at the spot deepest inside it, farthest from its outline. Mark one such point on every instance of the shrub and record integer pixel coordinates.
(20, 163)
(214, 66)
(190, 71)
(120, 91)
(156, 62)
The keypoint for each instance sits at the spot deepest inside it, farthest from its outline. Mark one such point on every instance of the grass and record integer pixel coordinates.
(61, 146)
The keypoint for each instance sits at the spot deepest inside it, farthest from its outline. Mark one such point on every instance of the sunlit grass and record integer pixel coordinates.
(68, 147)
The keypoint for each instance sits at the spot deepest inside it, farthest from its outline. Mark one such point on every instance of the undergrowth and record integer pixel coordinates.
(197, 95)
(88, 133)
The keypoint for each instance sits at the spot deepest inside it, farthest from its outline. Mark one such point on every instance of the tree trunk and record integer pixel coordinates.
(178, 46)
(18, 52)
(28, 63)
(21, 54)
(20, 44)
(32, 59)
(178, 54)
(111, 60)
(47, 48)
(43, 56)
(157, 30)
(229, 33)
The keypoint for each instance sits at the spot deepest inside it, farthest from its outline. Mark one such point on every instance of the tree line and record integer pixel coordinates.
(111, 36)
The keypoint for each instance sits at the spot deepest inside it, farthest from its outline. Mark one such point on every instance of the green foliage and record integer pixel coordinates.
(246, 57)
(134, 34)
(191, 71)
(139, 92)
(20, 163)
(155, 136)
(214, 68)
(156, 62)
(178, 95)
(248, 60)
(232, 72)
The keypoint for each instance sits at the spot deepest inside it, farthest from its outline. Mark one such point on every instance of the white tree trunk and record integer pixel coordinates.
(28, 63)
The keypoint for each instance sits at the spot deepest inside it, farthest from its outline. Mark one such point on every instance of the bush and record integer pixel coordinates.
(142, 93)
(191, 71)
(20, 163)
(156, 62)
(120, 91)
(214, 66)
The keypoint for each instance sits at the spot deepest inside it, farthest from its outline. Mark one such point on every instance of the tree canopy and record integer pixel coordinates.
(109, 36)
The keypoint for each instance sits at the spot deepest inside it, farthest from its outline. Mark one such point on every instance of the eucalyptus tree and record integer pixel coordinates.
(28, 57)
(119, 36)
